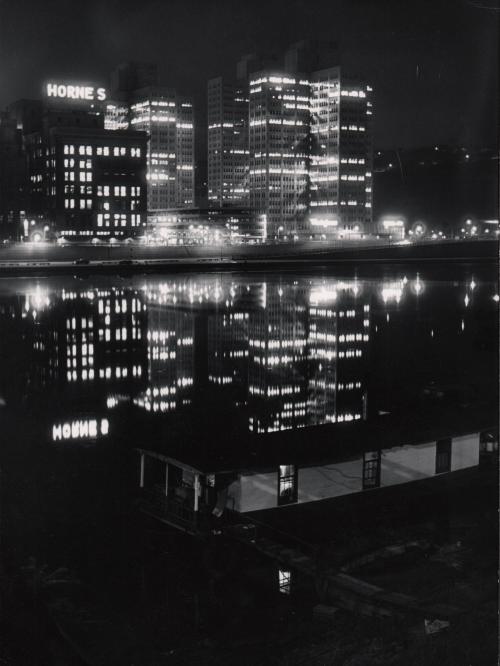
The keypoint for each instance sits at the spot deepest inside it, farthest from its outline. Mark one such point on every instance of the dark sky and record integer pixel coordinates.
(432, 63)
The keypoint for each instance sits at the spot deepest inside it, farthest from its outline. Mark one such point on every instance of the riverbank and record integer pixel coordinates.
(22, 259)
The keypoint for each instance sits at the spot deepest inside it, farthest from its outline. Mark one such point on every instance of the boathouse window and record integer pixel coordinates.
(488, 442)
(287, 484)
(371, 469)
(443, 455)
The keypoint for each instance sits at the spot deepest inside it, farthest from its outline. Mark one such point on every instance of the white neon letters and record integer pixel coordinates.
(80, 429)
(87, 93)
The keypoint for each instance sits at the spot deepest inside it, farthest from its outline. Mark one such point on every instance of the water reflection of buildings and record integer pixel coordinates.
(170, 342)
(91, 336)
(293, 353)
(284, 353)
(277, 354)
(85, 352)
(339, 334)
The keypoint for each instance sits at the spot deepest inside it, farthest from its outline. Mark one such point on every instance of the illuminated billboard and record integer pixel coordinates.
(77, 92)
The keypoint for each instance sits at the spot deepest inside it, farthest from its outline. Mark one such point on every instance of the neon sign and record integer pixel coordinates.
(87, 93)
(80, 429)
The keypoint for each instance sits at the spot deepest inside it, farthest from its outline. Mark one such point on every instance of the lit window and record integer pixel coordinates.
(287, 484)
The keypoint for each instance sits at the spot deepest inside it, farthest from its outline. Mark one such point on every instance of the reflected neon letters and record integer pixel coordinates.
(80, 429)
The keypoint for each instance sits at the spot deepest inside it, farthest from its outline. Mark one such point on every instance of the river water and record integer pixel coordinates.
(280, 400)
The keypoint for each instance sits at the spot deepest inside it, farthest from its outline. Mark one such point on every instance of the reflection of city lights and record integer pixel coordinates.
(392, 292)
(38, 299)
(322, 295)
(418, 286)
(80, 429)
(164, 331)
(466, 300)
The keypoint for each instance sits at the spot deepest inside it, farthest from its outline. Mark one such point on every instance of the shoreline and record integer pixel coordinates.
(26, 260)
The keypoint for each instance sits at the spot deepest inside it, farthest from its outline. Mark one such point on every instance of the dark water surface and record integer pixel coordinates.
(341, 412)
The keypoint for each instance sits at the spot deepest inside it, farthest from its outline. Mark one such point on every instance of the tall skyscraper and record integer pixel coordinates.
(340, 163)
(228, 137)
(168, 120)
(227, 143)
(308, 139)
(167, 117)
(279, 151)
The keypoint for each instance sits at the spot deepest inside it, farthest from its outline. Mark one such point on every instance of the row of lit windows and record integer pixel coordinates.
(105, 151)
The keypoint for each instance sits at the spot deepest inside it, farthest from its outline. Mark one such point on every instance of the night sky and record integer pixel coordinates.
(433, 64)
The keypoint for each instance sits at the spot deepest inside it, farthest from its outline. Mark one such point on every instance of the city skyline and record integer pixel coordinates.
(249, 387)
(416, 58)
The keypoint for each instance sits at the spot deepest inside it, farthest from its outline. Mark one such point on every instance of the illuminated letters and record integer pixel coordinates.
(80, 429)
(87, 93)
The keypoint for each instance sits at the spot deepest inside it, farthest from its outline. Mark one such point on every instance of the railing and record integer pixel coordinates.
(171, 509)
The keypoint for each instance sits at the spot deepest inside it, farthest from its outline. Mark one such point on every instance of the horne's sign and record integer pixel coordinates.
(86, 93)
(80, 429)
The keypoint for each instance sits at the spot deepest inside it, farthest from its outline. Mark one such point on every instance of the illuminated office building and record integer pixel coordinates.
(228, 139)
(279, 151)
(167, 117)
(81, 180)
(341, 163)
(88, 182)
(168, 120)
(309, 145)
(116, 116)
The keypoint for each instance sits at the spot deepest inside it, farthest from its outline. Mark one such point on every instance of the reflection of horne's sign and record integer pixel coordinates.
(87, 93)
(80, 429)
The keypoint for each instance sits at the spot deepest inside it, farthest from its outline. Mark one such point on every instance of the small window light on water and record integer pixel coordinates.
(284, 580)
